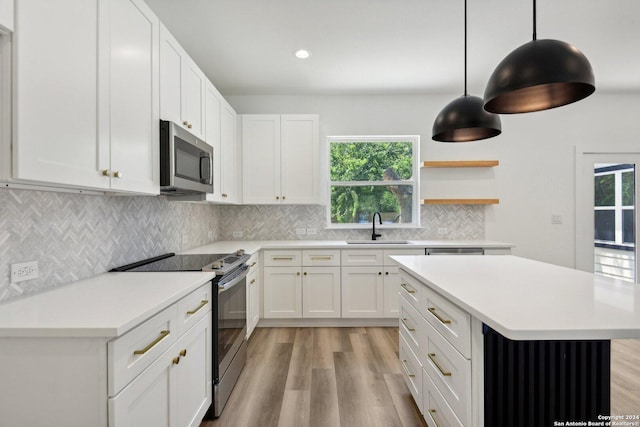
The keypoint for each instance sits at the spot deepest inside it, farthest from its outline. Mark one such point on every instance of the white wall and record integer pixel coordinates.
(536, 153)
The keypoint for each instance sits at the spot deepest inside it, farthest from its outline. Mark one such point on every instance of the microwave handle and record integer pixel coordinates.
(206, 157)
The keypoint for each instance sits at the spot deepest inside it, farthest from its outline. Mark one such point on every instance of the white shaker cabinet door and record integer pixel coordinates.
(299, 157)
(172, 59)
(213, 137)
(193, 90)
(261, 158)
(282, 292)
(229, 146)
(321, 292)
(56, 93)
(362, 292)
(133, 96)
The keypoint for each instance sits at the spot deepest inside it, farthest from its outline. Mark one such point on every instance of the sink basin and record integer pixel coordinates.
(377, 242)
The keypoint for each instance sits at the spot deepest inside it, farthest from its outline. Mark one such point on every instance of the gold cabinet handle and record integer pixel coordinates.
(175, 360)
(252, 281)
(106, 172)
(407, 326)
(189, 126)
(321, 258)
(282, 197)
(198, 308)
(297, 273)
(117, 174)
(404, 286)
(305, 273)
(163, 335)
(282, 258)
(432, 357)
(253, 264)
(432, 310)
(225, 195)
(432, 413)
(186, 123)
(277, 197)
(406, 369)
(183, 352)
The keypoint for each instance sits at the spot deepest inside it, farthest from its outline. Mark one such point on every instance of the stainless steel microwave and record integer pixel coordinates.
(186, 162)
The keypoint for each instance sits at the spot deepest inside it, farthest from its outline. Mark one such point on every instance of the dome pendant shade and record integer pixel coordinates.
(539, 75)
(464, 120)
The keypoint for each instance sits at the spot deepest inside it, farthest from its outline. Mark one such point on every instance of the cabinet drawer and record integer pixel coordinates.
(412, 371)
(133, 352)
(449, 371)
(391, 252)
(410, 289)
(321, 258)
(411, 325)
(450, 320)
(194, 307)
(435, 409)
(275, 258)
(362, 257)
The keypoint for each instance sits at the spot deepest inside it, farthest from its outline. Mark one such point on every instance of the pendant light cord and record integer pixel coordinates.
(465, 48)
(535, 35)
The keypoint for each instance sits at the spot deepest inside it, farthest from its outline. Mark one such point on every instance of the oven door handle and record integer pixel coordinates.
(226, 286)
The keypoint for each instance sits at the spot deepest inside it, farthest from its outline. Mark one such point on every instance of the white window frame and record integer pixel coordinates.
(618, 208)
(414, 181)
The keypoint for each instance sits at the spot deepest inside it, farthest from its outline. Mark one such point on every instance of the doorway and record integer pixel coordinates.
(606, 212)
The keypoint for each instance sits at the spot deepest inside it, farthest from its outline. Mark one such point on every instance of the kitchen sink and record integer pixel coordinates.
(379, 242)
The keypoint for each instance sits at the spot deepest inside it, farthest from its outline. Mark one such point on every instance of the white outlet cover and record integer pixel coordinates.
(311, 231)
(301, 231)
(24, 271)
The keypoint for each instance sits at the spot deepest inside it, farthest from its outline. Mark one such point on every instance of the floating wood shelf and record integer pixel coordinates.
(460, 201)
(460, 163)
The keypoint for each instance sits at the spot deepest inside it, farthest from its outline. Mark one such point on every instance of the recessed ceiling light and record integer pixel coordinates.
(302, 54)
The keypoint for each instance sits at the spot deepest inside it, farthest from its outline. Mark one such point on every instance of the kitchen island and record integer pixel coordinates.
(504, 341)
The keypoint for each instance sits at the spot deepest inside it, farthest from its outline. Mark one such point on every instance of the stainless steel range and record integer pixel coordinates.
(230, 324)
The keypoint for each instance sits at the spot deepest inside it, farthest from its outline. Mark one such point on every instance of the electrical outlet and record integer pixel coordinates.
(556, 219)
(312, 231)
(300, 231)
(24, 271)
(442, 231)
(237, 234)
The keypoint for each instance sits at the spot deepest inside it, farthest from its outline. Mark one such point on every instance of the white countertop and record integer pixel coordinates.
(107, 305)
(252, 246)
(524, 299)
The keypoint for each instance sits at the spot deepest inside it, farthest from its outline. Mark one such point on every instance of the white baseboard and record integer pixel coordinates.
(316, 323)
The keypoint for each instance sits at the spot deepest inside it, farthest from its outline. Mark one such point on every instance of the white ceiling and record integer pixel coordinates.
(391, 46)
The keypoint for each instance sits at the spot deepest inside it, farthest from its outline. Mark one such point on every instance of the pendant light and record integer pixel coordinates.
(464, 119)
(539, 75)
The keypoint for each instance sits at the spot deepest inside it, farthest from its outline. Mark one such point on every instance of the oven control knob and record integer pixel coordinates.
(240, 252)
(217, 264)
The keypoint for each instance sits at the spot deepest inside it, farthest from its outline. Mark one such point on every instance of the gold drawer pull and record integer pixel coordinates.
(252, 281)
(432, 357)
(404, 286)
(198, 308)
(253, 264)
(175, 360)
(432, 412)
(283, 258)
(407, 326)
(183, 352)
(163, 335)
(406, 369)
(321, 258)
(432, 310)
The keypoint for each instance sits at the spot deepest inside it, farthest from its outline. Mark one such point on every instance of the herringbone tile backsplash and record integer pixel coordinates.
(76, 236)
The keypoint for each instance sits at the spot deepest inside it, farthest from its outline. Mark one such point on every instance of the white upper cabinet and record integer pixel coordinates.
(6, 14)
(280, 158)
(88, 119)
(213, 111)
(182, 86)
(229, 146)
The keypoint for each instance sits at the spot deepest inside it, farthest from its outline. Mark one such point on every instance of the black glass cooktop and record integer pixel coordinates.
(180, 263)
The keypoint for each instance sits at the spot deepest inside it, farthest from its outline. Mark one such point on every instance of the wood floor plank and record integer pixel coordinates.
(299, 376)
(625, 377)
(403, 402)
(350, 385)
(295, 411)
(384, 350)
(322, 349)
(324, 399)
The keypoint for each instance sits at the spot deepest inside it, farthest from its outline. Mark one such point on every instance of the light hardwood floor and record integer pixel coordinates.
(321, 377)
(350, 377)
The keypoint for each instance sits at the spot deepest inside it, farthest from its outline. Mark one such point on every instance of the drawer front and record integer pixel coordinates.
(411, 371)
(321, 258)
(435, 409)
(276, 258)
(410, 289)
(362, 257)
(450, 320)
(390, 252)
(448, 370)
(412, 325)
(194, 307)
(133, 352)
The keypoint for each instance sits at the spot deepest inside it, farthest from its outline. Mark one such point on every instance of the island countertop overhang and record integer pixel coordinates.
(523, 299)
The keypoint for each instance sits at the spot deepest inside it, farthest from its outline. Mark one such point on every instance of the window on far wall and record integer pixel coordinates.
(369, 174)
(614, 205)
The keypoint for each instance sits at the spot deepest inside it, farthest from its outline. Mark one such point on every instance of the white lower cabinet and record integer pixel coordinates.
(175, 390)
(362, 292)
(445, 360)
(302, 284)
(253, 294)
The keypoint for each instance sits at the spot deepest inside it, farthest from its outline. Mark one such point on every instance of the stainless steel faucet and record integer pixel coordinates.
(373, 221)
